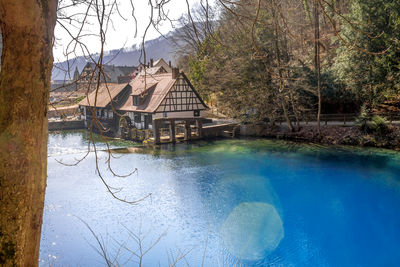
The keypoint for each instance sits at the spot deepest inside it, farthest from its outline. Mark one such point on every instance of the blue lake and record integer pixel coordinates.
(243, 202)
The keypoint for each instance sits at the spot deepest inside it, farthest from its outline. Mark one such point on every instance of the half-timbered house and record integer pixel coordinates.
(165, 100)
(148, 104)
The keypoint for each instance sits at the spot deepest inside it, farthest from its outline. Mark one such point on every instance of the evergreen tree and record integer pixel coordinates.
(367, 61)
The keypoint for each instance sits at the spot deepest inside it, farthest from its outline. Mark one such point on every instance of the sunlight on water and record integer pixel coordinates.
(233, 189)
(237, 202)
(252, 230)
(76, 142)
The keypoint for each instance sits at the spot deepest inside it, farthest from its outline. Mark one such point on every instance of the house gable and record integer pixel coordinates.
(161, 62)
(181, 97)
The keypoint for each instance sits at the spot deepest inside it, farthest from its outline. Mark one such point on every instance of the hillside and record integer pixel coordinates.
(156, 48)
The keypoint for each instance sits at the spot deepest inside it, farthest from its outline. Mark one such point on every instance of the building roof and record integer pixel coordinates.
(106, 92)
(153, 70)
(161, 62)
(157, 61)
(113, 72)
(154, 87)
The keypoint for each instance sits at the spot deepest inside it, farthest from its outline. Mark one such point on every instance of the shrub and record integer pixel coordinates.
(370, 123)
(79, 99)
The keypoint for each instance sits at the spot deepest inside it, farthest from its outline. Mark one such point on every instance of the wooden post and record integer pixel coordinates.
(199, 125)
(157, 138)
(188, 131)
(172, 137)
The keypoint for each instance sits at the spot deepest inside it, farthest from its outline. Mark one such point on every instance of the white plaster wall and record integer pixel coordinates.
(84, 113)
(131, 116)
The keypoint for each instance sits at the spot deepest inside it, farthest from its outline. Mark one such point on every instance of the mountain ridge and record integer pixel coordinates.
(160, 47)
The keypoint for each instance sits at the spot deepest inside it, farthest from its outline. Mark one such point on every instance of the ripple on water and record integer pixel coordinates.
(327, 199)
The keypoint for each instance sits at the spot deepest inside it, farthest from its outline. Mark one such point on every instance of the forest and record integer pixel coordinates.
(264, 61)
(272, 60)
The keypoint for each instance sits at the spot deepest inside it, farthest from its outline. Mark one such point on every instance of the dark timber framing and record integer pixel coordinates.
(182, 97)
(171, 108)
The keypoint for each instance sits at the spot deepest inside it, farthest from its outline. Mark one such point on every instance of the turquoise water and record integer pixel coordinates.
(223, 203)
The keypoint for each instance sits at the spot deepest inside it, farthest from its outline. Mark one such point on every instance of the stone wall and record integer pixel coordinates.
(66, 125)
(253, 129)
(218, 130)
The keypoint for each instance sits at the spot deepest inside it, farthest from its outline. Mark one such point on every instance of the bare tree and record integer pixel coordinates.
(28, 36)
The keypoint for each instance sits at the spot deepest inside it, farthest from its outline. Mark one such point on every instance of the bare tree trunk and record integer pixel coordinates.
(281, 78)
(295, 111)
(317, 62)
(27, 27)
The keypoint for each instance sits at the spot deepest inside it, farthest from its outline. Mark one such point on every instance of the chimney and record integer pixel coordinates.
(151, 62)
(175, 73)
(169, 63)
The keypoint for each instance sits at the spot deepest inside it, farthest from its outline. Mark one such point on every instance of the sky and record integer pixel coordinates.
(121, 32)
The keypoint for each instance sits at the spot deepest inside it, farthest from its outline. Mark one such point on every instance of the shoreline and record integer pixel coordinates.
(330, 135)
(335, 135)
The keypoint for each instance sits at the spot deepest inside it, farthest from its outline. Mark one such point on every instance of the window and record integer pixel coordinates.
(136, 100)
(138, 118)
(148, 119)
(196, 113)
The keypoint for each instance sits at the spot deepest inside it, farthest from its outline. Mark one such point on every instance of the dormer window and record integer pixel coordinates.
(136, 100)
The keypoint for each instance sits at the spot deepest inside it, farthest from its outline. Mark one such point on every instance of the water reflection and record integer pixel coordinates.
(268, 203)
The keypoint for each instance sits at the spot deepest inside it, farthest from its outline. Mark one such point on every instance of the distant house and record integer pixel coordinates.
(148, 103)
(66, 85)
(161, 63)
(109, 73)
(153, 67)
(67, 91)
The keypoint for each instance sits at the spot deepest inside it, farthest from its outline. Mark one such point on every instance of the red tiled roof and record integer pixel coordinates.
(105, 94)
(154, 87)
